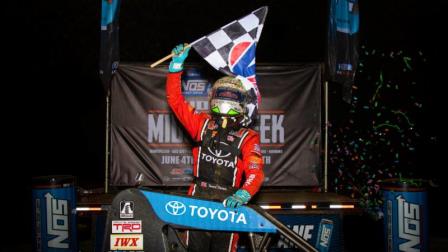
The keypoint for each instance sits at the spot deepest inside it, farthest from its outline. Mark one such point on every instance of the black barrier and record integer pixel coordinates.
(133, 225)
(54, 214)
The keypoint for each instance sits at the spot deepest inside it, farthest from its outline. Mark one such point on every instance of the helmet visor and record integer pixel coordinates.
(223, 93)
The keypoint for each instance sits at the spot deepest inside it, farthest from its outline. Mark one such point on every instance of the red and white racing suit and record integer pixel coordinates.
(220, 158)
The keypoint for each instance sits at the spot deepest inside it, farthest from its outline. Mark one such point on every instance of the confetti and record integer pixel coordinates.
(377, 138)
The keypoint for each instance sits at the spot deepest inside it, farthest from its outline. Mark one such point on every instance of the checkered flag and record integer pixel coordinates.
(231, 49)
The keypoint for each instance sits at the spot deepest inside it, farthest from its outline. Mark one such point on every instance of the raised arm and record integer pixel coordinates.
(187, 115)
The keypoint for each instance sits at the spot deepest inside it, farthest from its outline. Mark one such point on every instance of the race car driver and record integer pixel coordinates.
(225, 149)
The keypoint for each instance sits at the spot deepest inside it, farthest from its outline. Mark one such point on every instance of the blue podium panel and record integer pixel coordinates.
(406, 220)
(323, 231)
(54, 218)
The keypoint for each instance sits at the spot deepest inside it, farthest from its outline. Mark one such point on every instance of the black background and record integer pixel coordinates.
(53, 101)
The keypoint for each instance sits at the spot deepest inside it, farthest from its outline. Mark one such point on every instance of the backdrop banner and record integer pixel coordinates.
(148, 142)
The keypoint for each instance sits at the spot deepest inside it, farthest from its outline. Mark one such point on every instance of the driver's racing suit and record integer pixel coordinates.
(220, 158)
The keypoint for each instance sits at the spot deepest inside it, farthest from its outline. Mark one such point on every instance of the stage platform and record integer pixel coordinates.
(302, 211)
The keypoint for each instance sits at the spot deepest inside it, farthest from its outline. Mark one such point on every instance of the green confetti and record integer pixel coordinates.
(379, 86)
(407, 62)
(387, 125)
(404, 115)
(365, 149)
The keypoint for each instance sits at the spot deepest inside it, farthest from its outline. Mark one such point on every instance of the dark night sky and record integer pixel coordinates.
(56, 111)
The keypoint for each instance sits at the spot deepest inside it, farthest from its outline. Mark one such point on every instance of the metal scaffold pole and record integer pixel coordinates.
(106, 154)
(326, 138)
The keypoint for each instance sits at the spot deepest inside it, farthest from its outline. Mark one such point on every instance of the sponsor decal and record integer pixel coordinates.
(255, 162)
(218, 153)
(218, 161)
(304, 231)
(126, 209)
(249, 179)
(217, 187)
(175, 208)
(176, 171)
(183, 171)
(408, 225)
(195, 87)
(257, 148)
(207, 215)
(57, 222)
(253, 165)
(216, 156)
(324, 235)
(126, 242)
(178, 208)
(255, 159)
(127, 227)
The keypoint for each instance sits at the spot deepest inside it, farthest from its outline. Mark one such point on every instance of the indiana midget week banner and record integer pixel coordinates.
(148, 142)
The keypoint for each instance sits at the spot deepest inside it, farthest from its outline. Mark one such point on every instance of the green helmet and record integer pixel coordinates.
(228, 98)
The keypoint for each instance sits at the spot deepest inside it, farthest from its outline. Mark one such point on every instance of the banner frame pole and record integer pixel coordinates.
(106, 154)
(326, 137)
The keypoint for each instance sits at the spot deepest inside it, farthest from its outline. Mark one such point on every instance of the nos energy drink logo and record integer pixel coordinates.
(57, 222)
(324, 235)
(408, 224)
(54, 222)
(206, 215)
(406, 221)
(194, 84)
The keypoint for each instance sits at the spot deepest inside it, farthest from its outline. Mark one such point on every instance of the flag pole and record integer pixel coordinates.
(166, 57)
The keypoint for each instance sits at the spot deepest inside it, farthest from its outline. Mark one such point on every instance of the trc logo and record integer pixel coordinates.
(175, 208)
